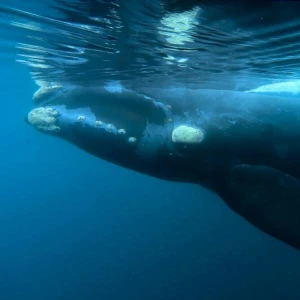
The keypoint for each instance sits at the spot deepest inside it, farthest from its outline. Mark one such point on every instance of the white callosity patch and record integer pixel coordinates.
(187, 134)
(44, 119)
(122, 131)
(289, 87)
(98, 123)
(44, 90)
(132, 140)
(114, 87)
(110, 127)
(81, 119)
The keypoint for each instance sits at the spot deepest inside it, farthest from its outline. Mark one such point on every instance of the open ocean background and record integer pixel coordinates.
(75, 227)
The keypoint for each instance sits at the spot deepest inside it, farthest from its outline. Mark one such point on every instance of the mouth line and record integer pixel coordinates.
(53, 121)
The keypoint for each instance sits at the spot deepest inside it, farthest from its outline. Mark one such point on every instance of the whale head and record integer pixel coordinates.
(119, 126)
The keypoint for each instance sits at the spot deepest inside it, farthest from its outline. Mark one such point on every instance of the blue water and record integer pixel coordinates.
(75, 227)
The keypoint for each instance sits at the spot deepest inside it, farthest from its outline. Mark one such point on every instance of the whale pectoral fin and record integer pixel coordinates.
(267, 198)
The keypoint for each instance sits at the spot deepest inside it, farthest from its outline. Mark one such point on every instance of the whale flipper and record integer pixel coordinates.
(267, 198)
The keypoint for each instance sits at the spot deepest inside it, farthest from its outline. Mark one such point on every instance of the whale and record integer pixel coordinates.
(245, 147)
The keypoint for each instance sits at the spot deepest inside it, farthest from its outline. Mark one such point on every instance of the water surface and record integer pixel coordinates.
(201, 44)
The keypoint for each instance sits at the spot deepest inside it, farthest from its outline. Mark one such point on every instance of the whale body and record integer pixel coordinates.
(245, 147)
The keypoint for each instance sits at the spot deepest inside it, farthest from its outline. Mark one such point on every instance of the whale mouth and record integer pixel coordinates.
(127, 115)
(58, 120)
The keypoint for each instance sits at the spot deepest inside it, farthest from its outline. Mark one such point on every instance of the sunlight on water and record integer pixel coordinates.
(153, 42)
(178, 27)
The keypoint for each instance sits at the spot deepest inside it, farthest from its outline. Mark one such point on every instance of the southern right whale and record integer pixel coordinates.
(245, 147)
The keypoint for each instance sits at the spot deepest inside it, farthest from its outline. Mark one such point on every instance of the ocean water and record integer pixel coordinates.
(75, 227)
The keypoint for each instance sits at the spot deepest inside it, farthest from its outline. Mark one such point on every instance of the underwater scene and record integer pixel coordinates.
(150, 150)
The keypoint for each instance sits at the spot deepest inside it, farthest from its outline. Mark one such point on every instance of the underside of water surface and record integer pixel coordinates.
(234, 45)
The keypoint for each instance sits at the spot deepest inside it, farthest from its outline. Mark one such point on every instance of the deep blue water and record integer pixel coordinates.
(75, 227)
